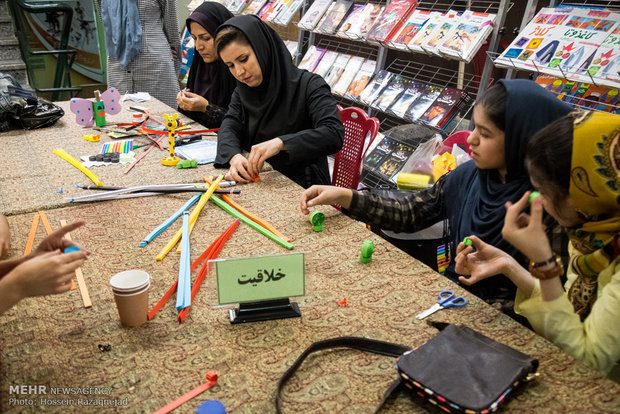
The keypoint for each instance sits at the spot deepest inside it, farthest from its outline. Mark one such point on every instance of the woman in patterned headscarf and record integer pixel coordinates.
(574, 162)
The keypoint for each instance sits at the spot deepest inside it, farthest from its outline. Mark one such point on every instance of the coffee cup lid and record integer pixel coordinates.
(129, 280)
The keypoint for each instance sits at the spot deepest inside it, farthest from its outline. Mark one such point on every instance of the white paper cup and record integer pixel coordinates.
(131, 294)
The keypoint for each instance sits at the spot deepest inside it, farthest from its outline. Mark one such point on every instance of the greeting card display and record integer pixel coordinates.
(468, 35)
(361, 80)
(410, 29)
(390, 20)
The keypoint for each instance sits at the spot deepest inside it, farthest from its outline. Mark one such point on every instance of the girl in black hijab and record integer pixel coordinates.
(279, 113)
(471, 198)
(210, 84)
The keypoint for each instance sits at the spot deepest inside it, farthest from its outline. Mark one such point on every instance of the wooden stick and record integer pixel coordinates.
(33, 232)
(45, 222)
(80, 277)
(143, 155)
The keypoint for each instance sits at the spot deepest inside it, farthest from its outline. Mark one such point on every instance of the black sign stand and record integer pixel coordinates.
(264, 310)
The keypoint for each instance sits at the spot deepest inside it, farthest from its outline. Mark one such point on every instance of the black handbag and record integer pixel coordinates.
(21, 107)
(459, 370)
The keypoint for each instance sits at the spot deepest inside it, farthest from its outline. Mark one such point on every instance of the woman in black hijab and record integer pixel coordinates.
(279, 113)
(210, 84)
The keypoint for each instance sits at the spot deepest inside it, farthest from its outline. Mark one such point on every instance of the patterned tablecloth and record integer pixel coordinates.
(53, 341)
(32, 176)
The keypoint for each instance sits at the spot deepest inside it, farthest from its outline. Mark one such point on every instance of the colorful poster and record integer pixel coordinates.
(84, 37)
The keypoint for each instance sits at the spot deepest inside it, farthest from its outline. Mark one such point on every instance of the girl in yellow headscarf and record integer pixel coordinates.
(574, 162)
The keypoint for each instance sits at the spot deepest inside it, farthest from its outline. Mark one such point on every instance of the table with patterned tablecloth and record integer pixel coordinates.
(53, 341)
(32, 177)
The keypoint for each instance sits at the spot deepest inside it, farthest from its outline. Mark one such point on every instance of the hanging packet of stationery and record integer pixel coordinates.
(21, 107)
(459, 370)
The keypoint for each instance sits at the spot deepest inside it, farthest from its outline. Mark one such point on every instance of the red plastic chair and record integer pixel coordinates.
(348, 160)
(458, 138)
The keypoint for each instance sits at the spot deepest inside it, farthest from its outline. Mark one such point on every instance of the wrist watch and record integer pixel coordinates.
(557, 270)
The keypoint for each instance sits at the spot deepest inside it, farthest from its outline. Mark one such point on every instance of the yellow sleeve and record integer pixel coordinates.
(594, 341)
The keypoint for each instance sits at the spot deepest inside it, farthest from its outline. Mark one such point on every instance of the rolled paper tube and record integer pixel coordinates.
(213, 253)
(62, 154)
(170, 220)
(192, 220)
(201, 205)
(224, 206)
(173, 288)
(249, 215)
(183, 287)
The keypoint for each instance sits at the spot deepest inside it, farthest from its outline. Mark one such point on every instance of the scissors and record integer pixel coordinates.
(446, 300)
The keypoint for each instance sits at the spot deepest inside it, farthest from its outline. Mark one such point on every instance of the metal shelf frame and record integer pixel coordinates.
(412, 69)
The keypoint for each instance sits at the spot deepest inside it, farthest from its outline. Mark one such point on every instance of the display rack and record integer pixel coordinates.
(348, 46)
(586, 3)
(456, 75)
(492, 55)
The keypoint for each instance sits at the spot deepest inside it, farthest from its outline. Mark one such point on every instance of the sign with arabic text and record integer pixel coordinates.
(252, 279)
